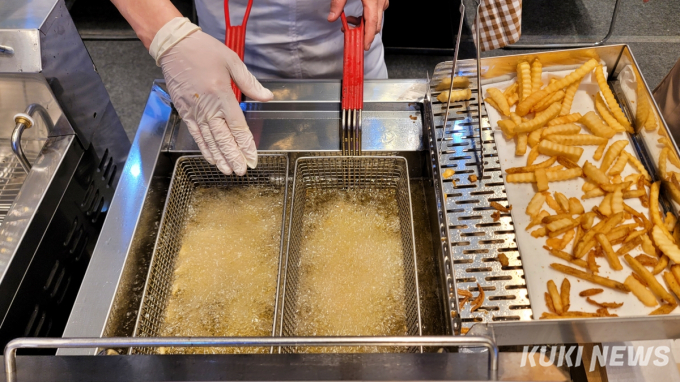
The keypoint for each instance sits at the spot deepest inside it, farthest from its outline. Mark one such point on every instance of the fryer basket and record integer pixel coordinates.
(190, 173)
(349, 173)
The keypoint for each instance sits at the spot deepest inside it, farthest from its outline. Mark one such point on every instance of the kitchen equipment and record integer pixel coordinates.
(191, 173)
(235, 38)
(352, 87)
(349, 174)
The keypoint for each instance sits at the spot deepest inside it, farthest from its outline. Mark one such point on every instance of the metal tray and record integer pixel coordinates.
(476, 240)
(192, 172)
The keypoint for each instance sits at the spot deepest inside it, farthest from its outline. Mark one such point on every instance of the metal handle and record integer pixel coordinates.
(25, 121)
(119, 342)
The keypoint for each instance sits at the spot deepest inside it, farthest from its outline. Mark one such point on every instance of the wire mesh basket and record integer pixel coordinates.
(192, 173)
(363, 174)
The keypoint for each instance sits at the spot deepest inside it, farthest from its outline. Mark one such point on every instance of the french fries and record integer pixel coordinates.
(524, 80)
(555, 149)
(555, 297)
(594, 174)
(642, 111)
(656, 288)
(533, 167)
(605, 282)
(536, 72)
(609, 97)
(596, 126)
(459, 82)
(500, 101)
(591, 292)
(565, 289)
(640, 291)
(540, 120)
(569, 118)
(527, 103)
(665, 244)
(577, 140)
(569, 98)
(455, 96)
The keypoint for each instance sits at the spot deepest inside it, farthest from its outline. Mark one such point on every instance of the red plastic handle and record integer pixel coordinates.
(235, 38)
(353, 66)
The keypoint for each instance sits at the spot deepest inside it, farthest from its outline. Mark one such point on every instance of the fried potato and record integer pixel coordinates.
(569, 98)
(654, 211)
(656, 288)
(531, 168)
(540, 232)
(665, 244)
(617, 201)
(548, 302)
(609, 119)
(555, 149)
(663, 309)
(566, 257)
(534, 137)
(535, 204)
(603, 281)
(526, 104)
(521, 145)
(628, 246)
(638, 165)
(458, 82)
(562, 201)
(642, 111)
(500, 101)
(540, 120)
(594, 174)
(609, 253)
(566, 119)
(454, 96)
(663, 159)
(536, 72)
(587, 220)
(614, 187)
(555, 297)
(640, 291)
(672, 190)
(618, 166)
(565, 290)
(577, 139)
(553, 98)
(605, 207)
(507, 127)
(537, 220)
(448, 173)
(554, 176)
(598, 153)
(560, 224)
(541, 179)
(591, 292)
(524, 80)
(672, 283)
(609, 98)
(533, 154)
(596, 126)
(565, 129)
(612, 153)
(608, 305)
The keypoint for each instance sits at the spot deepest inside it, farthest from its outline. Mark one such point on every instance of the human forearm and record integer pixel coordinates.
(146, 16)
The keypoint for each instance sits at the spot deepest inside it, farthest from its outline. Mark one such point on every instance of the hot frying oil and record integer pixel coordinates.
(225, 273)
(351, 267)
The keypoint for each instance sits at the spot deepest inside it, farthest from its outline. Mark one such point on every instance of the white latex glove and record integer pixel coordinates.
(198, 70)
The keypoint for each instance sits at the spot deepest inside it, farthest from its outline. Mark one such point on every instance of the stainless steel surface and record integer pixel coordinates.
(304, 116)
(479, 86)
(45, 41)
(476, 239)
(24, 343)
(574, 44)
(192, 172)
(25, 121)
(95, 299)
(349, 173)
(461, 10)
(508, 313)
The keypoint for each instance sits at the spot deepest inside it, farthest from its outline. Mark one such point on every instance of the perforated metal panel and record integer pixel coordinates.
(350, 173)
(190, 173)
(476, 239)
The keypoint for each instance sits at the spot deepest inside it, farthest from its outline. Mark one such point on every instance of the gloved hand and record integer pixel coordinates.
(198, 70)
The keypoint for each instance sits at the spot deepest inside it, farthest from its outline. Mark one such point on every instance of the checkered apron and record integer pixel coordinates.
(501, 23)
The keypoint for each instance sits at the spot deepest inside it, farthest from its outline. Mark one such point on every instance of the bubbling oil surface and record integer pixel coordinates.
(351, 267)
(225, 273)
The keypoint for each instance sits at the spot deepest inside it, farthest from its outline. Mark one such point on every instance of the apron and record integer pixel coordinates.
(291, 38)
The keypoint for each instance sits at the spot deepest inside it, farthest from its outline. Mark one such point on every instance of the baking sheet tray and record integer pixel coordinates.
(536, 260)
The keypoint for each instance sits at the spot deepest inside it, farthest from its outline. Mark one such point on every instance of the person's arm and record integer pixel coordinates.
(198, 71)
(373, 16)
(147, 17)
